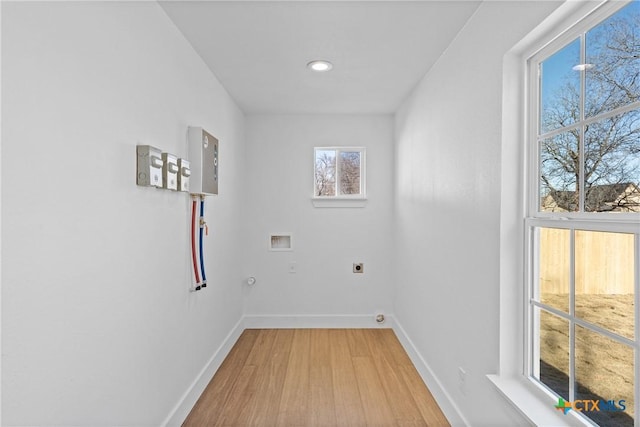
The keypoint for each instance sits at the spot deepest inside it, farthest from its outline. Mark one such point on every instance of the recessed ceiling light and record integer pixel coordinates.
(582, 67)
(320, 65)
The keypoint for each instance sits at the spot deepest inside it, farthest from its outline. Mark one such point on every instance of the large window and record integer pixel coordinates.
(583, 221)
(339, 172)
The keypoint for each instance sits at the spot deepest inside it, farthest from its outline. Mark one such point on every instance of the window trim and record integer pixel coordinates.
(347, 200)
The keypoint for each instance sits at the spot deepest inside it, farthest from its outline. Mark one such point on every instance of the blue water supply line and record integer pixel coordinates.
(202, 224)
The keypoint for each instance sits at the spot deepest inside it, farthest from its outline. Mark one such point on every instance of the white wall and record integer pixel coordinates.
(447, 193)
(98, 325)
(327, 241)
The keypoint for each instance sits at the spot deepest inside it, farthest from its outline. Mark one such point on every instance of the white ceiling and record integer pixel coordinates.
(379, 50)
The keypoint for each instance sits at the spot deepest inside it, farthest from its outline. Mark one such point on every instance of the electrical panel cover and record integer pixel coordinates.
(203, 158)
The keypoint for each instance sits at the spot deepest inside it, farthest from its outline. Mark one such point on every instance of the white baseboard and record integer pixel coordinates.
(315, 321)
(181, 410)
(444, 400)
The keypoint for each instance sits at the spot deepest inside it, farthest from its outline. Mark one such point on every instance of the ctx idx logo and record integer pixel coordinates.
(591, 405)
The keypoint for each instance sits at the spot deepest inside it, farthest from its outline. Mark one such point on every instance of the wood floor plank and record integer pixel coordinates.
(263, 408)
(294, 402)
(212, 400)
(245, 408)
(357, 343)
(392, 346)
(374, 401)
(322, 404)
(261, 350)
(347, 403)
(236, 400)
(423, 398)
(404, 408)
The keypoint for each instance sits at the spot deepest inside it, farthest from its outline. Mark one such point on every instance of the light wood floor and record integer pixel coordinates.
(316, 377)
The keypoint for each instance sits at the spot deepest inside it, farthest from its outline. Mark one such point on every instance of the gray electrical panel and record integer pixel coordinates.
(203, 158)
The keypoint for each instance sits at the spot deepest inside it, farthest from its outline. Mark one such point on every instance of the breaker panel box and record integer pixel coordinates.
(149, 166)
(203, 158)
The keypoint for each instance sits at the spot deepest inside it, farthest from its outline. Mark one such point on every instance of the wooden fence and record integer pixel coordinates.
(604, 262)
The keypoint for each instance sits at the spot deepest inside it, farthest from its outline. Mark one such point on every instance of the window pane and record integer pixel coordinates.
(553, 346)
(325, 184)
(560, 89)
(553, 261)
(559, 168)
(349, 172)
(604, 274)
(612, 164)
(604, 371)
(613, 62)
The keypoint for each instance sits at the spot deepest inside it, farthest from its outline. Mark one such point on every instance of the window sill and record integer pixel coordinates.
(339, 202)
(535, 404)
